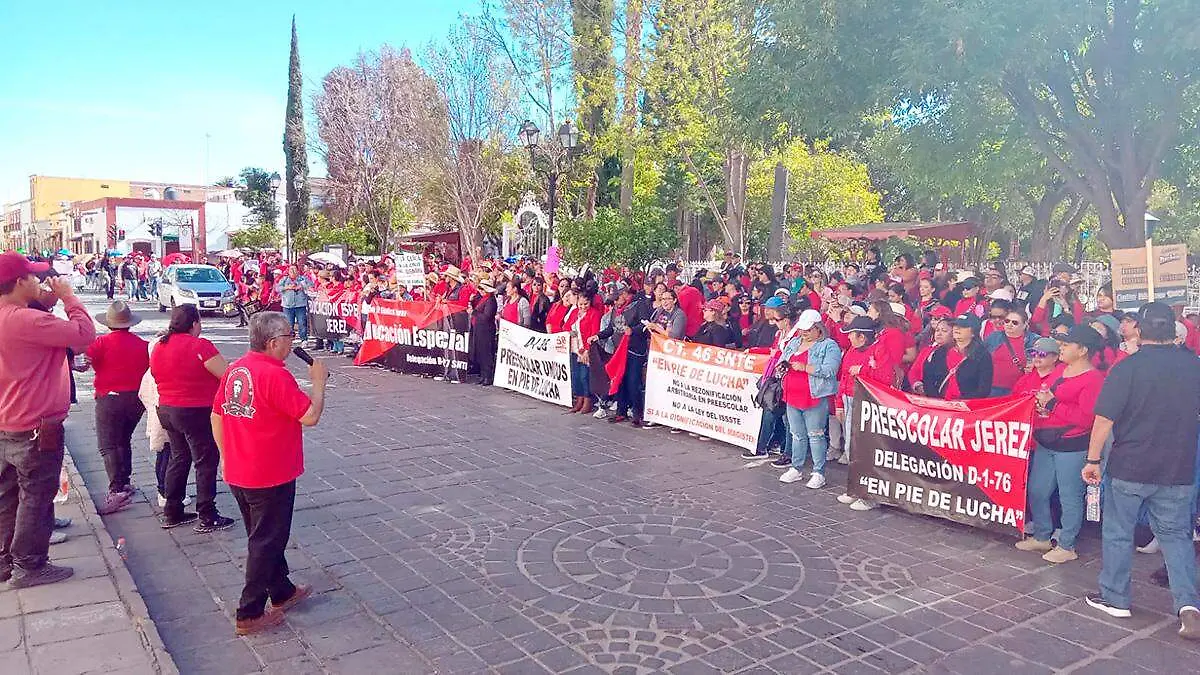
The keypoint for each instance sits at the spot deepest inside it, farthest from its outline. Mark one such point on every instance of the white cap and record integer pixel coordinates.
(964, 275)
(856, 310)
(898, 308)
(808, 319)
(1180, 331)
(1029, 271)
(1001, 294)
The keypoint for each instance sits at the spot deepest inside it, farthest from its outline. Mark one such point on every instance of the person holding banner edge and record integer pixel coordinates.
(780, 316)
(810, 381)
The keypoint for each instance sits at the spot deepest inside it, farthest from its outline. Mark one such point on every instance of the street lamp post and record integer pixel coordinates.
(275, 182)
(557, 153)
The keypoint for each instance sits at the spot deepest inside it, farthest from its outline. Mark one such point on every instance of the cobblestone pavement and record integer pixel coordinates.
(460, 529)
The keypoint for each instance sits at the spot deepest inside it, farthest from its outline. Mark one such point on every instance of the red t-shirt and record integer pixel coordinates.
(953, 358)
(796, 391)
(178, 369)
(1005, 373)
(260, 405)
(119, 359)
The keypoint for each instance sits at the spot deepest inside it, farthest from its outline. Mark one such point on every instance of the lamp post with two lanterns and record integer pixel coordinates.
(557, 154)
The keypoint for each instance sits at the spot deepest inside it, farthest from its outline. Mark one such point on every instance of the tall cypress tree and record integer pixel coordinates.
(294, 152)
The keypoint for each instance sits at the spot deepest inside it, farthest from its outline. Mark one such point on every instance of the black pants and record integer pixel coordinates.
(632, 395)
(162, 459)
(29, 468)
(117, 416)
(267, 513)
(190, 432)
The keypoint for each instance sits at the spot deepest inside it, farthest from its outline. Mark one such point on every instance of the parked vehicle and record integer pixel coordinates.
(200, 285)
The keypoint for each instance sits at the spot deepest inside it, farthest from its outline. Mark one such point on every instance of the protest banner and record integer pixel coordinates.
(333, 315)
(1130, 281)
(413, 337)
(535, 364)
(965, 461)
(705, 390)
(410, 270)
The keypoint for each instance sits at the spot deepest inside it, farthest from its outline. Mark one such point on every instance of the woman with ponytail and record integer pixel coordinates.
(187, 369)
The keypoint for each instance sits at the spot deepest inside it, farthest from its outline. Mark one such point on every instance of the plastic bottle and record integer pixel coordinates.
(1093, 503)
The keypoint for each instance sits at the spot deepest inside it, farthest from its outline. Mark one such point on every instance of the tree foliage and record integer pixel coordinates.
(612, 238)
(826, 190)
(254, 192)
(257, 236)
(318, 233)
(295, 150)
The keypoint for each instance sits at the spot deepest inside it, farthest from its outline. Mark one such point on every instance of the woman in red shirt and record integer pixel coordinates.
(891, 336)
(188, 369)
(119, 359)
(1062, 429)
(1045, 370)
(584, 324)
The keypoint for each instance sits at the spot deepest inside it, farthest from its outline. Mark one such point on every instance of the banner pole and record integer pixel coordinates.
(1150, 268)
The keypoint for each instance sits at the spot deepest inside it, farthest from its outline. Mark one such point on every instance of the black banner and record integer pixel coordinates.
(414, 337)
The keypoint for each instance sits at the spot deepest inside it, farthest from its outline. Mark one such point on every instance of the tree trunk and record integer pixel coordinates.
(737, 165)
(629, 103)
(779, 205)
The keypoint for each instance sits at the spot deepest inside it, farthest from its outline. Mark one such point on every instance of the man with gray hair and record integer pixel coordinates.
(257, 418)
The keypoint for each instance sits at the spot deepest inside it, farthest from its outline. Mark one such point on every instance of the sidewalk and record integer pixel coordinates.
(94, 622)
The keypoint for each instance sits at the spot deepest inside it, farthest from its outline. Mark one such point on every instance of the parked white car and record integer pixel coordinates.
(200, 285)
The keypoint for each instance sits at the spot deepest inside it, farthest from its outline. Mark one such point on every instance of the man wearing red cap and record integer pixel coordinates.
(35, 394)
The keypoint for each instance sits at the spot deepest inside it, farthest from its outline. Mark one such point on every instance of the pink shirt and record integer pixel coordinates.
(35, 381)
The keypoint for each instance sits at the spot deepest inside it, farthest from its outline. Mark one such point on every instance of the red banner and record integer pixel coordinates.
(417, 337)
(965, 461)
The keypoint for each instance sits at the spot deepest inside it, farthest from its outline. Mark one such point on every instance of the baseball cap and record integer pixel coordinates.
(1046, 344)
(1001, 294)
(861, 324)
(963, 275)
(1155, 312)
(13, 266)
(969, 321)
(808, 319)
(782, 293)
(774, 303)
(714, 305)
(1027, 270)
(898, 308)
(1110, 322)
(1086, 336)
(941, 312)
(857, 310)
(969, 282)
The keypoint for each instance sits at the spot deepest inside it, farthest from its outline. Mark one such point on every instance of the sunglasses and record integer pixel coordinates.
(1012, 322)
(1040, 355)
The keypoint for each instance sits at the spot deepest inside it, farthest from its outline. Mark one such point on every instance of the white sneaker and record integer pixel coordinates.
(57, 537)
(846, 499)
(650, 425)
(817, 480)
(601, 413)
(162, 501)
(1151, 547)
(844, 459)
(791, 476)
(861, 505)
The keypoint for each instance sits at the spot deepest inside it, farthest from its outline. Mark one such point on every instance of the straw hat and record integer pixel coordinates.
(118, 315)
(454, 273)
(485, 284)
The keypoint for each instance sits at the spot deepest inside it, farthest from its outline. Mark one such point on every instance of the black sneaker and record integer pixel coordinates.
(782, 461)
(216, 523)
(5, 574)
(46, 574)
(60, 523)
(183, 519)
(750, 454)
(1096, 602)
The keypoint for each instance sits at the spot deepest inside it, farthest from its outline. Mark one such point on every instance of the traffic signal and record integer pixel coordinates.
(120, 235)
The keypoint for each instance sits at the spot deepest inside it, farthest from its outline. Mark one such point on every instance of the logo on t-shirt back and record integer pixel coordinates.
(239, 394)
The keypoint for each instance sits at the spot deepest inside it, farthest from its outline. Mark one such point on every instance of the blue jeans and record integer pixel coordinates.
(1170, 509)
(298, 319)
(808, 433)
(580, 378)
(1049, 469)
(774, 424)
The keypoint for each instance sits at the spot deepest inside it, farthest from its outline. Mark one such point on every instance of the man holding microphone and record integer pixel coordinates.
(257, 420)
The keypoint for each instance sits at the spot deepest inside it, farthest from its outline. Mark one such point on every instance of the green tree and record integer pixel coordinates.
(257, 236)
(255, 193)
(319, 233)
(295, 152)
(826, 190)
(595, 94)
(615, 239)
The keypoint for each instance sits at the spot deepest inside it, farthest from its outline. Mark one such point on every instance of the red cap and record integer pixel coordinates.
(13, 266)
(715, 305)
(941, 312)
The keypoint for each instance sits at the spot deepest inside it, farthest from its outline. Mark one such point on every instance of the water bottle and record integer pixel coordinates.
(1093, 503)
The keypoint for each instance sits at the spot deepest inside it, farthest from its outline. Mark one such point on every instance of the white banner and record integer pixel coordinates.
(705, 390)
(535, 364)
(410, 270)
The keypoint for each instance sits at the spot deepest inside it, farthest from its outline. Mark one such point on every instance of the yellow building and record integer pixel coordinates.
(50, 197)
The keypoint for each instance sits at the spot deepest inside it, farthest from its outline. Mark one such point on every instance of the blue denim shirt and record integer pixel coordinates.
(827, 357)
(294, 297)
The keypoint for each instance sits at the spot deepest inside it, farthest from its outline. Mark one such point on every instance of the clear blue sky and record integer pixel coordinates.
(128, 89)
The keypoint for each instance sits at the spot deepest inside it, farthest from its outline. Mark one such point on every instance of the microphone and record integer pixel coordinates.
(302, 355)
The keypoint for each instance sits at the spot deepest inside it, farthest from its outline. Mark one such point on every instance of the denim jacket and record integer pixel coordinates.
(827, 357)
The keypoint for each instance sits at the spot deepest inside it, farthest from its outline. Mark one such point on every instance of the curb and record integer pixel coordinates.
(160, 660)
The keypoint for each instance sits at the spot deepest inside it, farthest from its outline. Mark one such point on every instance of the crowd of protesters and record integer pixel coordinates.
(922, 327)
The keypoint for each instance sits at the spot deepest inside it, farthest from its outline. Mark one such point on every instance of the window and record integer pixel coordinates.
(203, 275)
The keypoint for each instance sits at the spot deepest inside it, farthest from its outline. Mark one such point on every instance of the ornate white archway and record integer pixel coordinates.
(528, 234)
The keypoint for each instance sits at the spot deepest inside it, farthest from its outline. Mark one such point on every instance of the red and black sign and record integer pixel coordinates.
(334, 316)
(965, 461)
(414, 337)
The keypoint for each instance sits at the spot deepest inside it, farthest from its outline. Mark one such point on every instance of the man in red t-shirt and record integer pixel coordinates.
(257, 417)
